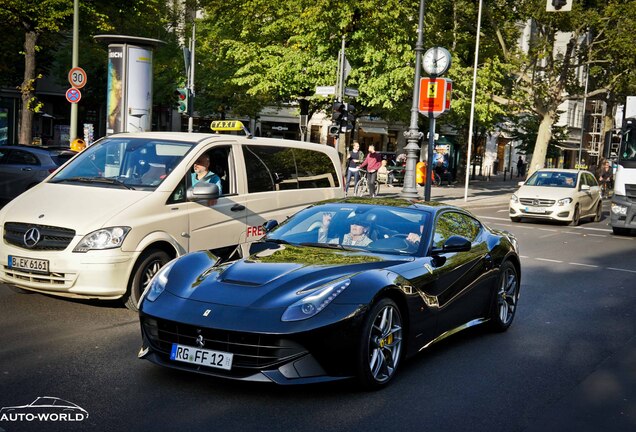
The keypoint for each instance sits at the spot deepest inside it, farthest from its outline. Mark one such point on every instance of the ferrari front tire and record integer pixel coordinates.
(380, 350)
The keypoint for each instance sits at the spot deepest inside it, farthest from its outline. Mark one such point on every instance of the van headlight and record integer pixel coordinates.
(315, 301)
(514, 198)
(564, 201)
(105, 238)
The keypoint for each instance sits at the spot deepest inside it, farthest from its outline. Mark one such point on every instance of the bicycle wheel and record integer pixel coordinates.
(362, 188)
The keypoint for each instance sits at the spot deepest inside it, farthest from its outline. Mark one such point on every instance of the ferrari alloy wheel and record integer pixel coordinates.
(147, 266)
(506, 297)
(381, 345)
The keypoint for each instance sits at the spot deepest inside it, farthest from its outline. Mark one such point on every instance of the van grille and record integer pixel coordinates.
(630, 191)
(51, 238)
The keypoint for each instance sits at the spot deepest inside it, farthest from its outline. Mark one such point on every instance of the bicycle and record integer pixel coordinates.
(362, 187)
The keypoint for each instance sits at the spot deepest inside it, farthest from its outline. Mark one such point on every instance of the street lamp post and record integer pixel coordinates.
(413, 135)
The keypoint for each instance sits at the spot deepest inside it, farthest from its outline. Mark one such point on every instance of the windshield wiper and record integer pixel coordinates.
(106, 180)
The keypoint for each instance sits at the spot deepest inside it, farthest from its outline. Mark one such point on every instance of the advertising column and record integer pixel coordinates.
(129, 93)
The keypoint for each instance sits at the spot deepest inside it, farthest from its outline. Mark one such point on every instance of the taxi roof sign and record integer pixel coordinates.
(229, 126)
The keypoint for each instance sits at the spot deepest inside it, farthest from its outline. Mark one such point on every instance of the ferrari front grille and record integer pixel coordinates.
(251, 350)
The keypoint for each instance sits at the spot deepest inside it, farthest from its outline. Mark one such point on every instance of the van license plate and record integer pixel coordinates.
(29, 264)
(203, 357)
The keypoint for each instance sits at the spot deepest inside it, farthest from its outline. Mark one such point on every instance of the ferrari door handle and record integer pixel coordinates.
(238, 207)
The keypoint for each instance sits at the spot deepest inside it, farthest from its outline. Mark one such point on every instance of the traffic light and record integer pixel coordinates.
(334, 129)
(182, 95)
(338, 111)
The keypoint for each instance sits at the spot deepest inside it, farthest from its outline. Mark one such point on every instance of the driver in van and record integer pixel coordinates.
(202, 172)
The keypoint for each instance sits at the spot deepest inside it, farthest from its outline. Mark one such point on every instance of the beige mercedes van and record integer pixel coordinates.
(102, 225)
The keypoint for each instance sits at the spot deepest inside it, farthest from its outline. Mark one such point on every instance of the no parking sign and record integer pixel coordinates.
(73, 95)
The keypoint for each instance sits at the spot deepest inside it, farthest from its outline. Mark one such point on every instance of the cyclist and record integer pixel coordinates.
(372, 163)
(606, 178)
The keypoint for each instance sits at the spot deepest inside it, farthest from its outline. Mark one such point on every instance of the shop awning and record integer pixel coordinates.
(374, 130)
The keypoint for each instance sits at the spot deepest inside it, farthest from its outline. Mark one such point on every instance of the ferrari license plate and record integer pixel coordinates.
(200, 356)
(30, 264)
(539, 210)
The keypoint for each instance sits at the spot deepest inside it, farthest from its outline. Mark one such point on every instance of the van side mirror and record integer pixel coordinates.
(585, 187)
(520, 183)
(203, 191)
(453, 244)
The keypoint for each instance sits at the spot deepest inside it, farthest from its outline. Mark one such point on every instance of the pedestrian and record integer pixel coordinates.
(372, 162)
(354, 159)
(519, 166)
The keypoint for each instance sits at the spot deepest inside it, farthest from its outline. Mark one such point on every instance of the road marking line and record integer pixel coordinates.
(548, 260)
(597, 235)
(584, 265)
(593, 229)
(623, 270)
(547, 229)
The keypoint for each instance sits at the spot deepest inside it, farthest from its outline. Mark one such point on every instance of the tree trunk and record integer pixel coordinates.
(544, 136)
(28, 88)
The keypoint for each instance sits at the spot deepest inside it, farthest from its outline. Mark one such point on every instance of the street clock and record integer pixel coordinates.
(436, 61)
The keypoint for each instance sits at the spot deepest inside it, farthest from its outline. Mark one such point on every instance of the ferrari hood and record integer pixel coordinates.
(81, 208)
(272, 278)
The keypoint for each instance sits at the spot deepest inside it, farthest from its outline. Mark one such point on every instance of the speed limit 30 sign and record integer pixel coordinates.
(77, 77)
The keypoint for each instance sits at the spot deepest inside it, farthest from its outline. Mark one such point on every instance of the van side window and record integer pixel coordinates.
(179, 194)
(269, 168)
(315, 170)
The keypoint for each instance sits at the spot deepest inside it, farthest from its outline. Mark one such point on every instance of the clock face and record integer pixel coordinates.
(436, 61)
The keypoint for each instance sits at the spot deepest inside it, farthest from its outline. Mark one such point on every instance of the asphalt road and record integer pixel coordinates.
(567, 363)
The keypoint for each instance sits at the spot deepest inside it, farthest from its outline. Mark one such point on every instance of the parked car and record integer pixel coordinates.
(347, 288)
(22, 167)
(557, 194)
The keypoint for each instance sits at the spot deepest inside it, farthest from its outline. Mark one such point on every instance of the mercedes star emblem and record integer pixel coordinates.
(31, 237)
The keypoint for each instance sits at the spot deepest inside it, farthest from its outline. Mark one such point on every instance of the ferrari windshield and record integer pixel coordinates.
(130, 163)
(380, 229)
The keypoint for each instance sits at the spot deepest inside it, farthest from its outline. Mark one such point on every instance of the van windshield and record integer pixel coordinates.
(128, 163)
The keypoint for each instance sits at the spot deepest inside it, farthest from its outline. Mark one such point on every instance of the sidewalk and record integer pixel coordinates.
(481, 193)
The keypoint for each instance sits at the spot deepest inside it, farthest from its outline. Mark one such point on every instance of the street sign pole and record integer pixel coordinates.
(75, 61)
(413, 135)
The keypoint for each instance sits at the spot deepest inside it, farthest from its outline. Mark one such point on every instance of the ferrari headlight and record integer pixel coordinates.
(514, 198)
(157, 283)
(564, 201)
(105, 238)
(315, 301)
